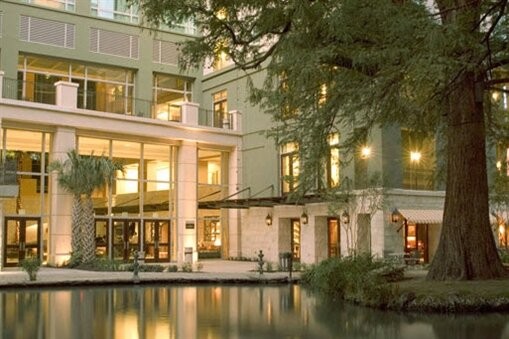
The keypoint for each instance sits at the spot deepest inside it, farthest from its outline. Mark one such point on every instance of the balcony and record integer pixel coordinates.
(69, 95)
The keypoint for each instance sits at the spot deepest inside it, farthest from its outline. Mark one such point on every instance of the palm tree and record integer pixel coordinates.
(81, 176)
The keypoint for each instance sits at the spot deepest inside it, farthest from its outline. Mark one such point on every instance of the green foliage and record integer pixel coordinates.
(144, 268)
(80, 175)
(187, 267)
(75, 260)
(269, 267)
(101, 264)
(504, 255)
(173, 268)
(357, 278)
(31, 266)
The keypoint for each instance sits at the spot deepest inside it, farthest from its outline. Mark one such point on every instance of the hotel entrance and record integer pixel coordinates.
(126, 238)
(156, 241)
(21, 239)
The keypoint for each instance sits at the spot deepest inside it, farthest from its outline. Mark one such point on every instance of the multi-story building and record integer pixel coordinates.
(201, 179)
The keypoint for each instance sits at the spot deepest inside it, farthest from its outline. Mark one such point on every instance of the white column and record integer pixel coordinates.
(67, 94)
(236, 120)
(190, 113)
(1, 83)
(61, 201)
(235, 185)
(187, 165)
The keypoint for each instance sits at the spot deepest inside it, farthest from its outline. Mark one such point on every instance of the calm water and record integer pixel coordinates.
(287, 311)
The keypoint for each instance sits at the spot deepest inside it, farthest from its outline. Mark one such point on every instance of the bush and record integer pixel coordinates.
(101, 264)
(75, 260)
(173, 268)
(187, 267)
(504, 255)
(31, 266)
(144, 268)
(358, 278)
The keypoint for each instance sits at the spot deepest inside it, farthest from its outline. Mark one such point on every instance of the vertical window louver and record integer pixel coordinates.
(114, 43)
(46, 32)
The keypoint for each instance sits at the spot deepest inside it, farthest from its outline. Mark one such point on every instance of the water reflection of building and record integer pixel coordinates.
(217, 312)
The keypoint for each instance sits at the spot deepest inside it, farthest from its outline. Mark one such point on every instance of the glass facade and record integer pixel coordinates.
(169, 93)
(212, 186)
(101, 88)
(118, 10)
(66, 5)
(141, 199)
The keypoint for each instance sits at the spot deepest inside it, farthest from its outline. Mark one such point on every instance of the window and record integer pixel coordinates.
(107, 89)
(66, 5)
(333, 163)
(220, 109)
(169, 93)
(117, 10)
(418, 155)
(289, 167)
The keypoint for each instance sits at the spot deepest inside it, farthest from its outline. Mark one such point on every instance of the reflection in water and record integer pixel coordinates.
(286, 311)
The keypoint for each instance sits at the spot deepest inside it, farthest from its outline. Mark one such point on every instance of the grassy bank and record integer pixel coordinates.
(385, 285)
(417, 294)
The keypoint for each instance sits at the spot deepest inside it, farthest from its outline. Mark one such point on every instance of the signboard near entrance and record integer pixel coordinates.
(189, 225)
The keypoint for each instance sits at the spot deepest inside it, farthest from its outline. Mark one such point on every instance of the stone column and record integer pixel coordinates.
(67, 94)
(190, 113)
(236, 120)
(61, 201)
(187, 166)
(1, 83)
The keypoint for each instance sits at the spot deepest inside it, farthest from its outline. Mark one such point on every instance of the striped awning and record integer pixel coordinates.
(423, 216)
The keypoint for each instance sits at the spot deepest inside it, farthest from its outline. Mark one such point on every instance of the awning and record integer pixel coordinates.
(422, 216)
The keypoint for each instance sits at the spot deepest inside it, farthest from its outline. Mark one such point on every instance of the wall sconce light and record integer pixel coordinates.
(395, 216)
(304, 218)
(268, 219)
(345, 218)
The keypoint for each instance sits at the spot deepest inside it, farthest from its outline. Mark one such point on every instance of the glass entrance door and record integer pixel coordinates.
(21, 239)
(333, 237)
(126, 239)
(156, 240)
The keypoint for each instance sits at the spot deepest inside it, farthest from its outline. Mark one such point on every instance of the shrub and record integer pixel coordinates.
(144, 268)
(173, 268)
(269, 266)
(31, 266)
(187, 267)
(358, 278)
(75, 260)
(504, 255)
(101, 264)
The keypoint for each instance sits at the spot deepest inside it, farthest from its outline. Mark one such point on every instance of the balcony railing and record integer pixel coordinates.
(207, 117)
(43, 92)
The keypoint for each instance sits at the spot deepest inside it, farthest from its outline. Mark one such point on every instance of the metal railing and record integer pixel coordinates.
(43, 92)
(207, 117)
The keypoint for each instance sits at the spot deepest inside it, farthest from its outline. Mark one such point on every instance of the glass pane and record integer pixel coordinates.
(98, 146)
(101, 238)
(109, 74)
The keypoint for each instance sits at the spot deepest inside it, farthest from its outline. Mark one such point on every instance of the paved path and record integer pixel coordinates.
(213, 271)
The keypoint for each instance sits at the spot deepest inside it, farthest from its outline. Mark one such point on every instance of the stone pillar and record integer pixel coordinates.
(1, 83)
(236, 120)
(234, 185)
(187, 166)
(67, 94)
(61, 201)
(190, 113)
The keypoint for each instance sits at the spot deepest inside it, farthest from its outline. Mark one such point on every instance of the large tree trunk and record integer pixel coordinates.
(467, 247)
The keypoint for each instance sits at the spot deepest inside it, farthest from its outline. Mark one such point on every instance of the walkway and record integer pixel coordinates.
(213, 271)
